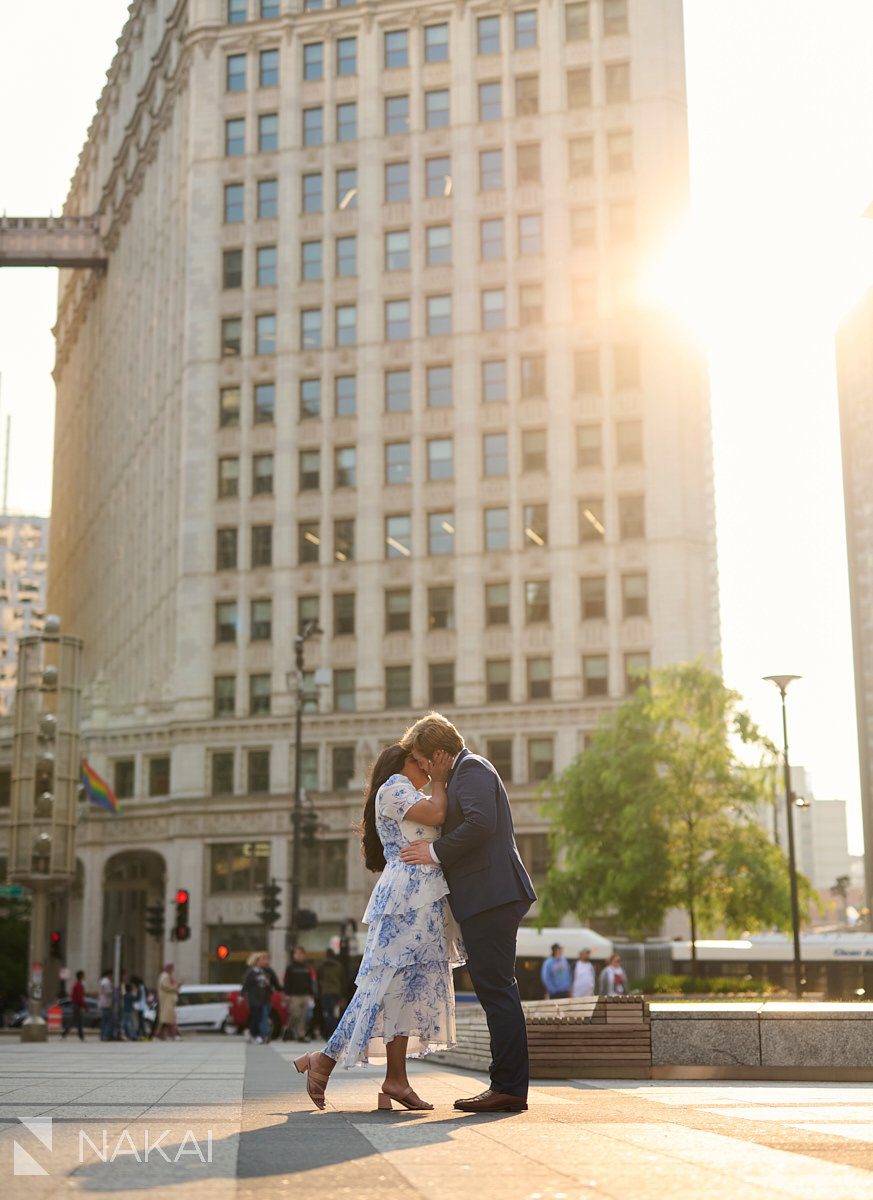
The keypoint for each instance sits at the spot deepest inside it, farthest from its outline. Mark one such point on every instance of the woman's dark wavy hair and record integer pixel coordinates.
(390, 762)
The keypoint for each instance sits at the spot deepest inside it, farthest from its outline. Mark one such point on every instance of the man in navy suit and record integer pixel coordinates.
(489, 892)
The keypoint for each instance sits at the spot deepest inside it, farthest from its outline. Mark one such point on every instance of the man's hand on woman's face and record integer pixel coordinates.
(439, 766)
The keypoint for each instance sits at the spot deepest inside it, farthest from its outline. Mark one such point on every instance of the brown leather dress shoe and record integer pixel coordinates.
(490, 1101)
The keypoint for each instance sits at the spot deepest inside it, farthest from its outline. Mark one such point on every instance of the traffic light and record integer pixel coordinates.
(308, 826)
(181, 928)
(222, 952)
(269, 913)
(307, 919)
(155, 921)
(55, 944)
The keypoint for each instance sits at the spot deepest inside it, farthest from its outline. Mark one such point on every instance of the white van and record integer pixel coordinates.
(202, 1006)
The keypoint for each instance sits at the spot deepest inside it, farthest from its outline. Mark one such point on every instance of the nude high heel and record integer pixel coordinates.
(316, 1081)
(408, 1099)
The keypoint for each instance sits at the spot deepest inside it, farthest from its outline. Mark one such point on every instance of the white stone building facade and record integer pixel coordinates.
(23, 575)
(366, 351)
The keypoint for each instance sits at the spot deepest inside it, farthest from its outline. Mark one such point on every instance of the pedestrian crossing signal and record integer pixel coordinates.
(222, 952)
(181, 928)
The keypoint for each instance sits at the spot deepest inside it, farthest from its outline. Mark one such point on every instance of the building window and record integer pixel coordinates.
(268, 198)
(540, 759)
(496, 528)
(343, 613)
(310, 261)
(530, 233)
(224, 695)
(261, 620)
(436, 43)
(441, 533)
(237, 11)
(626, 366)
(490, 170)
(631, 517)
(262, 545)
(634, 595)
(586, 370)
(325, 865)
(593, 595)
(265, 403)
(439, 387)
(577, 21)
(533, 376)
(396, 182)
(258, 771)
(309, 768)
(265, 333)
(234, 203)
(488, 35)
(495, 453)
(581, 157)
(441, 608)
(235, 137)
(497, 604)
(396, 114)
(493, 381)
(499, 754)
(313, 61)
(344, 690)
(268, 132)
(622, 223)
(346, 324)
(441, 683)
(583, 226)
(344, 539)
(591, 521)
(398, 391)
(537, 601)
(231, 337)
(262, 475)
(527, 163)
(398, 253)
(232, 269)
(225, 549)
(236, 72)
(396, 49)
(491, 239)
(268, 64)
(438, 176)
(347, 188)
(259, 695)
(439, 316)
(526, 29)
(539, 679)
(628, 442)
(346, 257)
(439, 245)
(266, 266)
(398, 687)
(579, 87)
(527, 95)
(636, 672)
(228, 478)
(398, 610)
(490, 101)
(307, 611)
(342, 761)
(123, 778)
(269, 9)
(440, 459)
(221, 772)
(347, 56)
(344, 466)
(346, 122)
(313, 126)
(159, 776)
(310, 398)
(397, 321)
(313, 197)
(309, 470)
(498, 674)
(436, 109)
(535, 522)
(345, 388)
(617, 83)
(228, 407)
(493, 302)
(533, 450)
(238, 866)
(398, 536)
(595, 675)
(398, 462)
(310, 328)
(619, 151)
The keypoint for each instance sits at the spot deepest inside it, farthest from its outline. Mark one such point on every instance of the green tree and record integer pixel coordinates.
(14, 941)
(661, 812)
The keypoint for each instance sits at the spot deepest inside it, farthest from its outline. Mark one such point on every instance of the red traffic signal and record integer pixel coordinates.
(182, 896)
(222, 952)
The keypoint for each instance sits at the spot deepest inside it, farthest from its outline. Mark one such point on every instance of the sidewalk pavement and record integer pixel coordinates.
(233, 1122)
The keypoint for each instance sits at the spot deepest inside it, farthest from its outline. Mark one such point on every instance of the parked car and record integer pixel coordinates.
(203, 1006)
(92, 1012)
(279, 1013)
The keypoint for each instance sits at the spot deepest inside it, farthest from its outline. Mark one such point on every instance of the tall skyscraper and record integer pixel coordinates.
(855, 381)
(365, 351)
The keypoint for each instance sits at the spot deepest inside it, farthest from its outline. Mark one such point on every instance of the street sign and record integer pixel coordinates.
(8, 890)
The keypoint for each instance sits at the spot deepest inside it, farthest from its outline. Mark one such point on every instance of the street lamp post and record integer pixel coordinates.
(782, 682)
(310, 629)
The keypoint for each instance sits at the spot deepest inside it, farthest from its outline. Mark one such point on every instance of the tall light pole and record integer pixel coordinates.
(310, 629)
(782, 682)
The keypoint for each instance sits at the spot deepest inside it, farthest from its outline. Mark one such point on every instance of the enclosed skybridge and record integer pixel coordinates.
(51, 242)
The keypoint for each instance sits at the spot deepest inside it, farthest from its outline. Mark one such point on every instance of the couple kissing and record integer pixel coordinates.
(452, 889)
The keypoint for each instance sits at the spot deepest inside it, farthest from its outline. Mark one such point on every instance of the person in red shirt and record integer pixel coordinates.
(78, 1005)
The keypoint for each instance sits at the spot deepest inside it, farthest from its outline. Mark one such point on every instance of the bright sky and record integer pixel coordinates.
(781, 121)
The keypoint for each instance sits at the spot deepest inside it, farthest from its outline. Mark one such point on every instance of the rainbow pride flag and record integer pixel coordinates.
(97, 789)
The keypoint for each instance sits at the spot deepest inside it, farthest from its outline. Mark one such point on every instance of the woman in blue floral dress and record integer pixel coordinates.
(404, 1005)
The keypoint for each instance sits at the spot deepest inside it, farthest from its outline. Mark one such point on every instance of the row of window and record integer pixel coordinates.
(441, 684)
(397, 115)
(438, 178)
(497, 533)
(438, 388)
(440, 607)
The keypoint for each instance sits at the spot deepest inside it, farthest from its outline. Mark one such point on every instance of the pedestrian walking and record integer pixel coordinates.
(583, 975)
(168, 993)
(556, 975)
(140, 1005)
(300, 986)
(78, 1006)
(128, 1013)
(256, 990)
(275, 986)
(331, 987)
(104, 1003)
(612, 980)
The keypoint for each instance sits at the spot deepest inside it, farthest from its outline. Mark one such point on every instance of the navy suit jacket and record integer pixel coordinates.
(477, 849)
